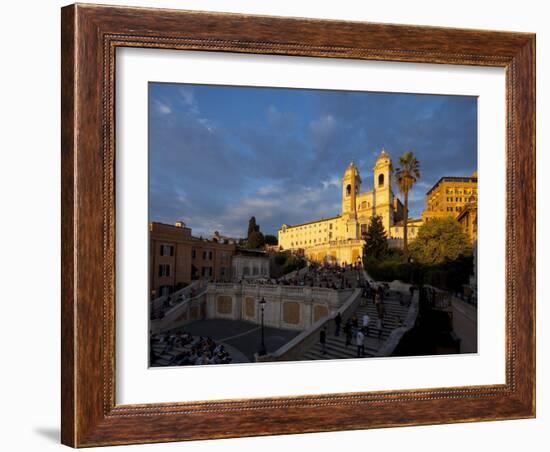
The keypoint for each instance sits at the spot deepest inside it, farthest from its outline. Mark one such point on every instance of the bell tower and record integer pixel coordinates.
(383, 196)
(351, 185)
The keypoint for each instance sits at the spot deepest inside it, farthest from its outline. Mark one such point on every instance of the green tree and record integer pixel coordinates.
(293, 263)
(256, 240)
(406, 175)
(440, 240)
(271, 239)
(376, 241)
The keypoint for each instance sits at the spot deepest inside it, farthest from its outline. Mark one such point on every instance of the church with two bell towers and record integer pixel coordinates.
(339, 239)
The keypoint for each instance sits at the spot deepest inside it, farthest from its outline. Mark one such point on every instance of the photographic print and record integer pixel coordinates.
(295, 199)
(299, 224)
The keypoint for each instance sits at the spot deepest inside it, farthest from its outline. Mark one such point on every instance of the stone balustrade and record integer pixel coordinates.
(184, 312)
(397, 334)
(157, 303)
(290, 307)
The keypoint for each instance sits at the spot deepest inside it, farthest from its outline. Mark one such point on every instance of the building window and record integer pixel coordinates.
(193, 253)
(255, 271)
(206, 271)
(348, 190)
(166, 250)
(164, 270)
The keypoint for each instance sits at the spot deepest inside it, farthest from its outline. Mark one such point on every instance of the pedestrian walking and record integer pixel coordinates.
(379, 327)
(347, 332)
(323, 340)
(377, 305)
(354, 325)
(338, 322)
(381, 293)
(360, 341)
(366, 319)
(382, 310)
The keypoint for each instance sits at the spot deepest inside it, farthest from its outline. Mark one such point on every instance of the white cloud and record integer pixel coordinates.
(323, 125)
(187, 96)
(163, 108)
(268, 190)
(207, 124)
(334, 181)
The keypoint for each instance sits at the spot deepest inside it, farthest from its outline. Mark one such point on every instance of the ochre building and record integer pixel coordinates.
(449, 196)
(176, 258)
(338, 239)
(468, 220)
(454, 197)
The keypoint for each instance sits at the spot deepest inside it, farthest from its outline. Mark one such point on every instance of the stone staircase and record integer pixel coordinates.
(336, 345)
(163, 359)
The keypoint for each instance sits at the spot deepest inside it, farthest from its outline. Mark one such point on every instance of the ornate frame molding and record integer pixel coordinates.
(90, 37)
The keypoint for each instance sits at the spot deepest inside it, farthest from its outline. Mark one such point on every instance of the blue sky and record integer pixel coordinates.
(221, 154)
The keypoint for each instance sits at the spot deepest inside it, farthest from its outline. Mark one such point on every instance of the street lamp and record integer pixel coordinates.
(262, 345)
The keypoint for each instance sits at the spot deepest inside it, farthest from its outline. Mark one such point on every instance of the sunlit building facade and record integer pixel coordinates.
(339, 239)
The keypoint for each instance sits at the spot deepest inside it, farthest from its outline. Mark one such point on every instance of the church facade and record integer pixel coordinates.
(339, 239)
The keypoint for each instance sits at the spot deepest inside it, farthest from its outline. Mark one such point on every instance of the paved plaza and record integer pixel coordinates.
(241, 339)
(244, 336)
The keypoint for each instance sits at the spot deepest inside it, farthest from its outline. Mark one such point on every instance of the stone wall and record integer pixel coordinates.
(184, 312)
(465, 325)
(290, 307)
(299, 345)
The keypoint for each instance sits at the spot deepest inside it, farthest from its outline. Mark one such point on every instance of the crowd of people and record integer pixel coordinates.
(335, 277)
(190, 350)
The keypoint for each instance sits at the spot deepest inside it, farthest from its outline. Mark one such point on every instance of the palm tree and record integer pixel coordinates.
(406, 176)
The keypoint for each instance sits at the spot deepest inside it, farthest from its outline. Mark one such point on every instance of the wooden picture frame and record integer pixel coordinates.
(90, 36)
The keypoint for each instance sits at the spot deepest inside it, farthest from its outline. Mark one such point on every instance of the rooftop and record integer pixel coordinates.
(472, 178)
(310, 222)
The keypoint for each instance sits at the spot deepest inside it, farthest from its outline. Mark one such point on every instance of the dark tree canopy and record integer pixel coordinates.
(256, 240)
(252, 226)
(376, 243)
(271, 239)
